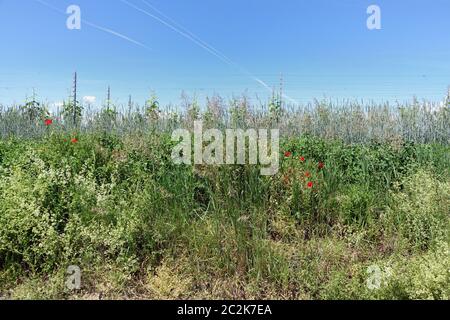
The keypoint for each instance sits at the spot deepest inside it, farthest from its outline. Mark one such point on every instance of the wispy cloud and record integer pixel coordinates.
(57, 104)
(89, 99)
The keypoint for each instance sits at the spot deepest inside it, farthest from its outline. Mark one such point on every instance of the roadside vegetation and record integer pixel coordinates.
(360, 188)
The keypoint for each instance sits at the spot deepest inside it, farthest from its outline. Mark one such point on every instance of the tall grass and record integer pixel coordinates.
(351, 122)
(113, 203)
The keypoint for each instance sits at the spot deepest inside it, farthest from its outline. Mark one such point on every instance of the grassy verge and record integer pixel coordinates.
(139, 226)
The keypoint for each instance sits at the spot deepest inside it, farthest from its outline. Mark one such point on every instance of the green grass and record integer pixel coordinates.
(140, 226)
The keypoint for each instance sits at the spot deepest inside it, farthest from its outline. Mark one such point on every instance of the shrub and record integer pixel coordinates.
(357, 205)
(420, 209)
(421, 277)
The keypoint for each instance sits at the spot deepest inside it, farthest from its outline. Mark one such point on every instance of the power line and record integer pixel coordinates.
(74, 98)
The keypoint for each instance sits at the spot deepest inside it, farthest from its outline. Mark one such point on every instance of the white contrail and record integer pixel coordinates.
(203, 44)
(184, 34)
(116, 34)
(173, 25)
(195, 38)
(95, 26)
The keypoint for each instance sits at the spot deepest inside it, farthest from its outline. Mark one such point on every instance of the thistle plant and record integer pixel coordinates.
(152, 111)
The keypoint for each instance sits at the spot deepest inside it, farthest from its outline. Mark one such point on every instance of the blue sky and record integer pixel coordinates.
(322, 48)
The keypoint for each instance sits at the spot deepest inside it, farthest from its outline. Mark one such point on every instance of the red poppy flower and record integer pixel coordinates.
(310, 185)
(302, 159)
(307, 174)
(321, 165)
(74, 140)
(48, 122)
(288, 154)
